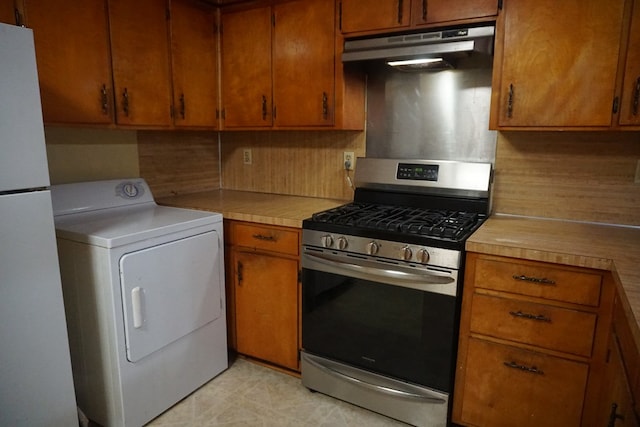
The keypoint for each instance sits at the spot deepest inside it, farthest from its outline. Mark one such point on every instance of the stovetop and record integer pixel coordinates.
(454, 225)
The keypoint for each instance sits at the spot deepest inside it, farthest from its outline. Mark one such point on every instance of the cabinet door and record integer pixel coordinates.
(553, 54)
(194, 52)
(507, 386)
(7, 12)
(617, 403)
(365, 15)
(630, 100)
(140, 58)
(266, 295)
(436, 11)
(303, 63)
(246, 68)
(74, 68)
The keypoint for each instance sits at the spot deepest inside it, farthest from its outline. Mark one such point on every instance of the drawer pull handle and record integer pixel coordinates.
(543, 281)
(539, 317)
(265, 238)
(532, 369)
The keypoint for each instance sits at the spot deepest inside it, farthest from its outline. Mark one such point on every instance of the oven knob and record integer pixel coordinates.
(342, 243)
(423, 256)
(372, 248)
(406, 253)
(327, 241)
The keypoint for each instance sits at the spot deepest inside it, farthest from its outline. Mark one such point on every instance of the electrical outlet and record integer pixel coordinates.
(637, 178)
(246, 156)
(348, 160)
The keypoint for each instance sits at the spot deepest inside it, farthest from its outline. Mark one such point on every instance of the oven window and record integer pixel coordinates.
(400, 332)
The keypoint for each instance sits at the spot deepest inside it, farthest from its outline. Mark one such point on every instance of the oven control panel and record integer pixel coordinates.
(365, 246)
(417, 172)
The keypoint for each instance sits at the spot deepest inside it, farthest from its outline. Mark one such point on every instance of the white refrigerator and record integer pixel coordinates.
(36, 383)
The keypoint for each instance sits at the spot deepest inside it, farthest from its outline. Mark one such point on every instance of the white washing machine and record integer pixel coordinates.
(144, 297)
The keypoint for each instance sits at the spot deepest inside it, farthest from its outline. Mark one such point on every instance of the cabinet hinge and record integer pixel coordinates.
(500, 4)
(217, 114)
(616, 103)
(224, 114)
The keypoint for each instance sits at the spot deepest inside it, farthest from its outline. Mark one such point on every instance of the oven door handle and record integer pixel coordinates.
(435, 398)
(425, 280)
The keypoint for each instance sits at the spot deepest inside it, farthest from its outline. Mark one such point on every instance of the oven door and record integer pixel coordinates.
(394, 319)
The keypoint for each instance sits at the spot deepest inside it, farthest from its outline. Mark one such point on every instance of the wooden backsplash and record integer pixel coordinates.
(586, 176)
(179, 162)
(300, 163)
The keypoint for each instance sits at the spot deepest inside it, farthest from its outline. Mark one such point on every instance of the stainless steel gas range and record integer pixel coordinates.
(381, 286)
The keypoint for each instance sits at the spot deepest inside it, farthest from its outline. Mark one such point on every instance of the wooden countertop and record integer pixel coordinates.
(604, 247)
(273, 209)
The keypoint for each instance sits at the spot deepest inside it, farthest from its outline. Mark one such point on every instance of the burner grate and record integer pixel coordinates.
(454, 225)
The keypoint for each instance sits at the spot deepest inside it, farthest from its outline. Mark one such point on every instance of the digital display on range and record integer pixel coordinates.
(417, 172)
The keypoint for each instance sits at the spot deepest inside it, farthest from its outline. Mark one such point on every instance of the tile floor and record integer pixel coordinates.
(250, 395)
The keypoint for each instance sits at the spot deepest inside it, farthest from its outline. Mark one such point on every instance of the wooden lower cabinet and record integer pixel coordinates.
(533, 343)
(262, 289)
(617, 408)
(507, 386)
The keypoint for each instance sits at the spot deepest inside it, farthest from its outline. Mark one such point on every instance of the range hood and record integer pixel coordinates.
(446, 45)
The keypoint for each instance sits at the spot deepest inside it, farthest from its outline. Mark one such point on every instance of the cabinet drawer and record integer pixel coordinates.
(539, 280)
(506, 386)
(554, 328)
(274, 239)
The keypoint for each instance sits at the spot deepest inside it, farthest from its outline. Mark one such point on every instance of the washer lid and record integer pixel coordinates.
(110, 228)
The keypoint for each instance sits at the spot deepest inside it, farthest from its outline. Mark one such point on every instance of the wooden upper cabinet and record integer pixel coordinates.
(141, 64)
(556, 63)
(246, 68)
(74, 71)
(425, 12)
(7, 12)
(381, 15)
(303, 63)
(630, 96)
(364, 16)
(193, 54)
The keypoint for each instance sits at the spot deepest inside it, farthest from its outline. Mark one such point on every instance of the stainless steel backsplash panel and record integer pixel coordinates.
(431, 114)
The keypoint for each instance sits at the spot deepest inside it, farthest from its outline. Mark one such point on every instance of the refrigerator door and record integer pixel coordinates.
(36, 384)
(23, 157)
